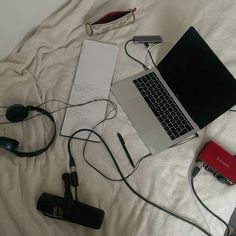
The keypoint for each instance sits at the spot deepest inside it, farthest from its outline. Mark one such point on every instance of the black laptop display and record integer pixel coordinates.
(198, 78)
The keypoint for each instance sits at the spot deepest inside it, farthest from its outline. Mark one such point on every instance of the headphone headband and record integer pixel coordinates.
(5, 142)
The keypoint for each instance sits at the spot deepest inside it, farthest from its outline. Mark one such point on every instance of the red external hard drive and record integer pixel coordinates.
(219, 162)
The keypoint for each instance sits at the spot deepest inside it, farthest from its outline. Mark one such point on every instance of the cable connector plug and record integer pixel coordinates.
(146, 45)
(196, 168)
(74, 177)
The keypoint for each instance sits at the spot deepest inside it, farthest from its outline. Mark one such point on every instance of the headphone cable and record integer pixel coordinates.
(128, 185)
(123, 178)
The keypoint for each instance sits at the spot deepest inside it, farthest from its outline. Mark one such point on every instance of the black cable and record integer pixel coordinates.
(76, 196)
(122, 176)
(112, 179)
(141, 63)
(100, 172)
(198, 198)
(72, 161)
(50, 100)
(68, 105)
(130, 187)
(149, 52)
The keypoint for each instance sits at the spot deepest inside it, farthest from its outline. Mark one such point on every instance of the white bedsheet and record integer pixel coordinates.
(43, 68)
(20, 18)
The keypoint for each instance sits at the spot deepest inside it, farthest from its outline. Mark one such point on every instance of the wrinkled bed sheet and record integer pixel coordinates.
(43, 67)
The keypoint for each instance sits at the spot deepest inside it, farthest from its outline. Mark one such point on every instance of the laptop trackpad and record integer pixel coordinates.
(147, 125)
(141, 115)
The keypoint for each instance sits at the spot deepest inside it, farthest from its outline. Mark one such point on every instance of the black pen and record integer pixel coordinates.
(125, 148)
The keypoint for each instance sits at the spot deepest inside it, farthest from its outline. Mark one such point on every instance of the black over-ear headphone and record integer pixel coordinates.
(17, 113)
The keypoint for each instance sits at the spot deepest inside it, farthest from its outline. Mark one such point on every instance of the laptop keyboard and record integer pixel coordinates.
(162, 104)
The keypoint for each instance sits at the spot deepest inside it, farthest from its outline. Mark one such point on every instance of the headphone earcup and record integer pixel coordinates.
(16, 113)
(8, 143)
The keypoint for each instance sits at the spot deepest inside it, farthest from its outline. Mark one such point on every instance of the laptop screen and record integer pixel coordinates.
(198, 78)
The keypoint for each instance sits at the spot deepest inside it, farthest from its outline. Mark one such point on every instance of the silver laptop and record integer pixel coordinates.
(189, 89)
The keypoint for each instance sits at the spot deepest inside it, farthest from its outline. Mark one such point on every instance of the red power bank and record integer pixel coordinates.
(220, 162)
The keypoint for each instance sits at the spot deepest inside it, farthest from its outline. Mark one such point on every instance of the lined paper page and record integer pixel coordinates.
(92, 81)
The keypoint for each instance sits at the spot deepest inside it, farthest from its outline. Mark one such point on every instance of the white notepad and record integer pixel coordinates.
(92, 81)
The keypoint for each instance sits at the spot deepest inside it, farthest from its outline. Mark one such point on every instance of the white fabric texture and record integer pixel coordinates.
(43, 68)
